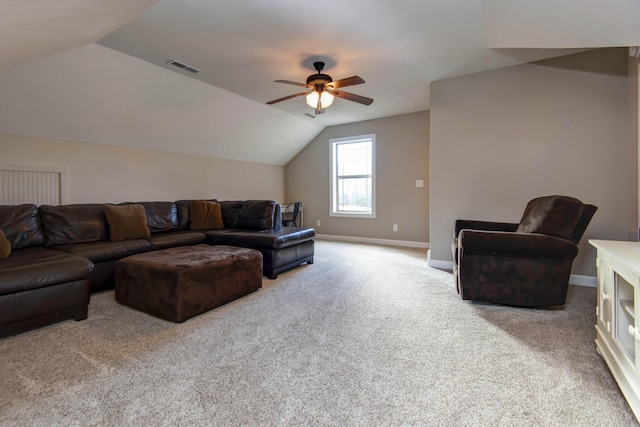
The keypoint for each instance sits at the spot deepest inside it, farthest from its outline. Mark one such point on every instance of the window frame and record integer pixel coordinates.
(333, 178)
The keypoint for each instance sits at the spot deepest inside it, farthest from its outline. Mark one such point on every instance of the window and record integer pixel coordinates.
(353, 176)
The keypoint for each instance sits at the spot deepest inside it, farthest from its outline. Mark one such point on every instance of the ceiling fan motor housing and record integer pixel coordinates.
(319, 79)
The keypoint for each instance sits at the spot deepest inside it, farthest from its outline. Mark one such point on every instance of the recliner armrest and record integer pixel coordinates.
(523, 245)
(461, 224)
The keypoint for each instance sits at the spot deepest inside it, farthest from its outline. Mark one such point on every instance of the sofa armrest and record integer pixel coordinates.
(461, 224)
(521, 245)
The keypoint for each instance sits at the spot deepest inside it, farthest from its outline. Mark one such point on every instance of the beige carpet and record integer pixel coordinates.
(366, 336)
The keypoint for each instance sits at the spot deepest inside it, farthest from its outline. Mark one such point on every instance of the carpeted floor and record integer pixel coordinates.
(366, 336)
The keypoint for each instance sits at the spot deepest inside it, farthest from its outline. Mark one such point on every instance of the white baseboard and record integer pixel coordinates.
(589, 281)
(437, 263)
(372, 241)
(574, 279)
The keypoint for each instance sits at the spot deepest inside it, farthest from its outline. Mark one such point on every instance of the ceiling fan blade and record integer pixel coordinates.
(287, 97)
(289, 82)
(349, 81)
(352, 97)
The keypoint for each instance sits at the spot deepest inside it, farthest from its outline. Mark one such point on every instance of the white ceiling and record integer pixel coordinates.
(397, 47)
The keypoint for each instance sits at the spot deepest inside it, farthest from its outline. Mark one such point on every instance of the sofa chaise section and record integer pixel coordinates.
(38, 286)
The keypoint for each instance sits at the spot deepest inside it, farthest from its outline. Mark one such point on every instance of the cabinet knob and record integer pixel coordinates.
(634, 333)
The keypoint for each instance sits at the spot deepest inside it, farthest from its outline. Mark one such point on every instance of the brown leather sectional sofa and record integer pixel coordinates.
(59, 254)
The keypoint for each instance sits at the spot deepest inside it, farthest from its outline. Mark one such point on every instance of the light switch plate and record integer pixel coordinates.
(419, 183)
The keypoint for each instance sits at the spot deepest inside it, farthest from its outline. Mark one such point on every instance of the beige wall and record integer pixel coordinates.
(632, 71)
(402, 157)
(102, 173)
(560, 126)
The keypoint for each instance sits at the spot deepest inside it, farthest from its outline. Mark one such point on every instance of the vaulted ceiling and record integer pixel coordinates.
(397, 47)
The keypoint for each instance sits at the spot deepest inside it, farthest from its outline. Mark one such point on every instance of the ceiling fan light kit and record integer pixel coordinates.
(325, 98)
(323, 90)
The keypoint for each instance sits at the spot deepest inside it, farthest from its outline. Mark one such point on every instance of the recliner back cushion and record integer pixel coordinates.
(21, 225)
(161, 216)
(69, 224)
(552, 215)
(256, 214)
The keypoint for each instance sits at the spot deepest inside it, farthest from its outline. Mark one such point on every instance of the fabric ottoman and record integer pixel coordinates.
(179, 283)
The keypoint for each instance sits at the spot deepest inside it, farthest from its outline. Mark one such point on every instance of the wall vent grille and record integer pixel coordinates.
(39, 185)
(183, 66)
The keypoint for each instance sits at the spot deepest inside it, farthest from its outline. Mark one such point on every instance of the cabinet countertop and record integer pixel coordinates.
(625, 251)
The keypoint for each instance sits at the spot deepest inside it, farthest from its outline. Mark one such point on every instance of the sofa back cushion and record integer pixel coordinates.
(231, 212)
(69, 224)
(257, 214)
(161, 216)
(552, 215)
(21, 225)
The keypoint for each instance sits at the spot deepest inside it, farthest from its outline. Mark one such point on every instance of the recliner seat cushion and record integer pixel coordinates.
(553, 215)
(21, 225)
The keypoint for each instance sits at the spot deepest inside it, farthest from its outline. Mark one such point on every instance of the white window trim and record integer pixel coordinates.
(332, 181)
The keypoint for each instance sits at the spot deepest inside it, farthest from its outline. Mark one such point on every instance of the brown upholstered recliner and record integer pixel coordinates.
(526, 264)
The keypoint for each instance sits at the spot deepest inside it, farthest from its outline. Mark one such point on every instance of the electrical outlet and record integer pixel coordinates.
(395, 227)
(318, 223)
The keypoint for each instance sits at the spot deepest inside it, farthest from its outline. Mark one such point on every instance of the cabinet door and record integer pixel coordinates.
(625, 295)
(605, 295)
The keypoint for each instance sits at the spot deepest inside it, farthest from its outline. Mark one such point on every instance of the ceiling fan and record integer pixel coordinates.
(324, 89)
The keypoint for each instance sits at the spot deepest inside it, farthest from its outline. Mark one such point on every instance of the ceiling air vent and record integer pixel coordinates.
(185, 67)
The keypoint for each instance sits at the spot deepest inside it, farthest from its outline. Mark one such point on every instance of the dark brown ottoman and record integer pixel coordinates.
(179, 283)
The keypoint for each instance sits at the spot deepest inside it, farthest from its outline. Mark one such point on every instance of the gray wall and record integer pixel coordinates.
(560, 126)
(402, 157)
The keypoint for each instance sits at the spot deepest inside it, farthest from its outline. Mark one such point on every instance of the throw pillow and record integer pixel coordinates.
(5, 246)
(126, 222)
(205, 215)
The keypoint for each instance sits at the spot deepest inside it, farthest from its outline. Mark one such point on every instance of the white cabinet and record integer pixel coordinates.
(618, 307)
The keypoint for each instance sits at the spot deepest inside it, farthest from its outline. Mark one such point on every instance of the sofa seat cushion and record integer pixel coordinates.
(265, 239)
(176, 238)
(106, 250)
(34, 268)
